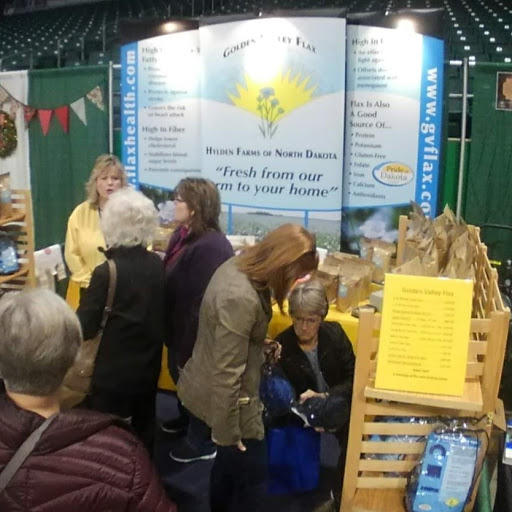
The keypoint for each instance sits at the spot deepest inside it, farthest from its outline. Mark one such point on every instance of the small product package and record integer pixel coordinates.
(377, 299)
(351, 265)
(335, 259)
(380, 253)
(445, 477)
(328, 276)
(507, 449)
(349, 292)
(460, 258)
(5, 196)
(362, 269)
(412, 267)
(366, 248)
(8, 255)
(395, 439)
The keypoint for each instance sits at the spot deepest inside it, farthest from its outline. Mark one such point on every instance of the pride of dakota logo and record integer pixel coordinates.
(393, 174)
(272, 100)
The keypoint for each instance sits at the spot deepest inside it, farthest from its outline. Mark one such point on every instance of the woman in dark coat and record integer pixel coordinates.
(129, 357)
(196, 249)
(318, 359)
(85, 461)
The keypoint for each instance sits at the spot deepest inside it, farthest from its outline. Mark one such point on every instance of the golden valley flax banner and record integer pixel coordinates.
(272, 110)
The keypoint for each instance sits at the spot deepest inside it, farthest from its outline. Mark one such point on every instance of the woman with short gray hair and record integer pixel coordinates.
(39, 342)
(128, 363)
(82, 454)
(130, 220)
(309, 296)
(318, 360)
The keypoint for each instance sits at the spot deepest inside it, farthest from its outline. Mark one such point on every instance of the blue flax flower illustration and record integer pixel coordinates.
(270, 110)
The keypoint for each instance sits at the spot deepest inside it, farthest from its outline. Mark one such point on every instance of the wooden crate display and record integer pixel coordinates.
(20, 227)
(375, 482)
(486, 293)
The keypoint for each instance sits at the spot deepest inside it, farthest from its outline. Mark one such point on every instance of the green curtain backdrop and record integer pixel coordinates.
(449, 189)
(489, 183)
(61, 162)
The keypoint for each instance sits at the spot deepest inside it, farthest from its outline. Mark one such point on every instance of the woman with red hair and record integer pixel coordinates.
(220, 383)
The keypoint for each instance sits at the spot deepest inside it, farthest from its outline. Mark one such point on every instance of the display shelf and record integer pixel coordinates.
(19, 226)
(471, 399)
(383, 500)
(376, 483)
(12, 218)
(23, 271)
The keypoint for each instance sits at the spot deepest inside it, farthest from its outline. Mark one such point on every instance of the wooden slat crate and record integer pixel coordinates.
(20, 227)
(373, 483)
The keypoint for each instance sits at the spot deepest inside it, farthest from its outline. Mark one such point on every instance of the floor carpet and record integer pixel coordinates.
(188, 484)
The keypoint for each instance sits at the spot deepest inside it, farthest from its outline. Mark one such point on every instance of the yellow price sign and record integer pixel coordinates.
(424, 334)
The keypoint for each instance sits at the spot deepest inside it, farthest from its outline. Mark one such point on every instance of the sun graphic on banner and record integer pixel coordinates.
(270, 101)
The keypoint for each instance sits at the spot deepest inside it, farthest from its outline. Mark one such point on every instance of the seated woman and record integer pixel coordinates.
(318, 359)
(84, 460)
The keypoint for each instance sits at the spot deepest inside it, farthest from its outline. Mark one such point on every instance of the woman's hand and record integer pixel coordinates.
(241, 446)
(309, 393)
(272, 350)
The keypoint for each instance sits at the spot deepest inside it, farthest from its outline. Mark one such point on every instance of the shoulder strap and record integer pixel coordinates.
(112, 281)
(23, 452)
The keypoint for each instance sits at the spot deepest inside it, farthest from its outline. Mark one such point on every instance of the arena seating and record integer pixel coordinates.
(78, 35)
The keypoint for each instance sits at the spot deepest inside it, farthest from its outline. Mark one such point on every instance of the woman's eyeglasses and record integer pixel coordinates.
(308, 320)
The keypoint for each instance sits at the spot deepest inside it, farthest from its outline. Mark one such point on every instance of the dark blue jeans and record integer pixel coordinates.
(238, 480)
(199, 434)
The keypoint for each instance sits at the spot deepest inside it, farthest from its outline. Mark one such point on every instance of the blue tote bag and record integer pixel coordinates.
(293, 459)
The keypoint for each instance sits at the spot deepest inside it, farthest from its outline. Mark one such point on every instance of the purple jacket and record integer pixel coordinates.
(186, 279)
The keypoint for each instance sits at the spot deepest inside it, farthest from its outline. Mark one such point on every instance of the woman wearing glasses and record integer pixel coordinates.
(317, 356)
(195, 251)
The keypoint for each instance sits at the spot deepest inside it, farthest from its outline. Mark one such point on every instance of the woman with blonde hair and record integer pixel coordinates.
(84, 235)
(220, 382)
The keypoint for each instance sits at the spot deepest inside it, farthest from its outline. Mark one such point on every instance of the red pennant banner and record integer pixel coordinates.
(45, 117)
(28, 114)
(62, 114)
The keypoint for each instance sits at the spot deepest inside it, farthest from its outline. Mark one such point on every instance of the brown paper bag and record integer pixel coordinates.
(349, 292)
(328, 276)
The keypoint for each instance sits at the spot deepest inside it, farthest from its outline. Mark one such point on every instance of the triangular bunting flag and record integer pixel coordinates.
(78, 108)
(62, 114)
(45, 117)
(28, 114)
(96, 96)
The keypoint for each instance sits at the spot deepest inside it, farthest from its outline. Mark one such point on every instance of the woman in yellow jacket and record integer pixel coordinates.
(84, 236)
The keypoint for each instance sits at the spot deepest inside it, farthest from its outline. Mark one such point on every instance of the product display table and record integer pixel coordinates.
(278, 324)
(348, 322)
(165, 381)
